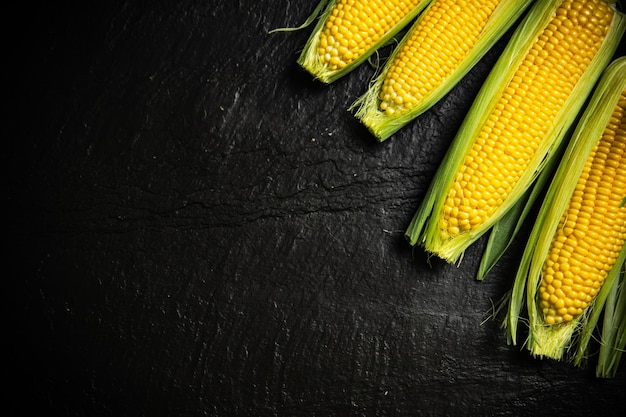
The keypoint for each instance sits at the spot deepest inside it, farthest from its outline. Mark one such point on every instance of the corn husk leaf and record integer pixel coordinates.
(309, 57)
(381, 124)
(611, 304)
(423, 229)
(316, 12)
(613, 336)
(558, 341)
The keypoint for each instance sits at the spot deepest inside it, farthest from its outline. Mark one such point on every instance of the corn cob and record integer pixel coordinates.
(350, 31)
(517, 121)
(444, 43)
(576, 250)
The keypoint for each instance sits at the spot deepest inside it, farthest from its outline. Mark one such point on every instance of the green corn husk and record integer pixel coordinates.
(380, 123)
(423, 229)
(309, 58)
(572, 338)
(613, 334)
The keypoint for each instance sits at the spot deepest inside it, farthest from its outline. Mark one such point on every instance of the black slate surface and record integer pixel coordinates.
(196, 228)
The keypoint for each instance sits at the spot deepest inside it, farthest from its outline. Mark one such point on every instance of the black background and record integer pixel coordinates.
(196, 228)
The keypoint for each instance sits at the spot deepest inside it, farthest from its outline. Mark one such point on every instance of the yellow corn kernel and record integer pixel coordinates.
(519, 122)
(599, 221)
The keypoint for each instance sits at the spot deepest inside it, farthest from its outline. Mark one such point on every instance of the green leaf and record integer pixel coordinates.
(307, 22)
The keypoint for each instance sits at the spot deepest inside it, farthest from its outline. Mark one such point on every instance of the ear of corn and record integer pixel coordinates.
(350, 31)
(517, 121)
(444, 43)
(572, 268)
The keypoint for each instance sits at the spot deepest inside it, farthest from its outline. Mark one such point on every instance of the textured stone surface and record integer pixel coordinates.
(197, 228)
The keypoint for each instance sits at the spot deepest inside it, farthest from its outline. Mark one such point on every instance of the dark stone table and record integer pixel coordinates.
(197, 228)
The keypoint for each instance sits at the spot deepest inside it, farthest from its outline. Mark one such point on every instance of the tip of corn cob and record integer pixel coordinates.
(350, 31)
